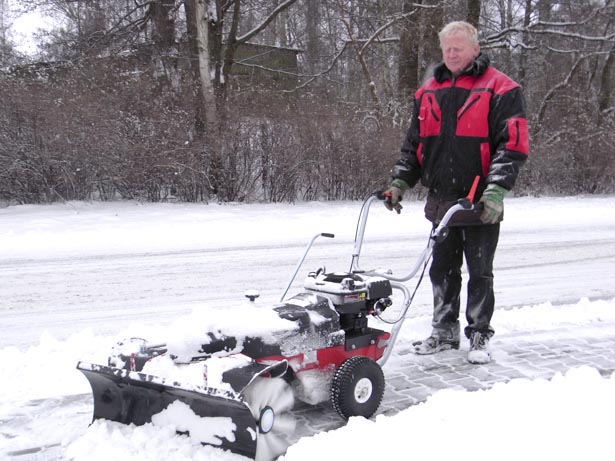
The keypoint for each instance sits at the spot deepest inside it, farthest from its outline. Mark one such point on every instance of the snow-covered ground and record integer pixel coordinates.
(78, 276)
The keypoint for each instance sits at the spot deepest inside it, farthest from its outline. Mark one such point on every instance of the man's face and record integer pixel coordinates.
(457, 52)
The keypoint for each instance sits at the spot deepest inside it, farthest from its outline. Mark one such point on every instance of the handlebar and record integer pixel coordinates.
(463, 204)
(300, 263)
(438, 234)
(466, 202)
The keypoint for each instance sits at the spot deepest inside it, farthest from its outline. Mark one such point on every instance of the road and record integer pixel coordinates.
(64, 296)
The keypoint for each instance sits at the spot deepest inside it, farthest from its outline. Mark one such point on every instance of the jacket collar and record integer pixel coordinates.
(476, 68)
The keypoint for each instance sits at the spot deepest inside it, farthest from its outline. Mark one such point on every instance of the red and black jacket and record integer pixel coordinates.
(465, 126)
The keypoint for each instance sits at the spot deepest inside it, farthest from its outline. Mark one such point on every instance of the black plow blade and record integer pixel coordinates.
(212, 416)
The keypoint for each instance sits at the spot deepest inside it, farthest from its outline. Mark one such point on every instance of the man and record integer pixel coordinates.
(469, 120)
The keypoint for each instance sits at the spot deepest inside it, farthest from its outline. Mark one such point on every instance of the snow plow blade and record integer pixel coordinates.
(130, 397)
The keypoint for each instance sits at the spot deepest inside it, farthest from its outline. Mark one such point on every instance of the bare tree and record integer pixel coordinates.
(111, 110)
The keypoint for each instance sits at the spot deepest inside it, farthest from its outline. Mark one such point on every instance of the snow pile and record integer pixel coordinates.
(565, 418)
(206, 430)
(107, 441)
(523, 419)
(549, 316)
(186, 335)
(22, 371)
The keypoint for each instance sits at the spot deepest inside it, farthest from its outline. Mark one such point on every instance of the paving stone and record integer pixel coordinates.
(452, 375)
(600, 361)
(554, 365)
(402, 383)
(469, 383)
(412, 379)
(392, 407)
(569, 361)
(481, 373)
(434, 382)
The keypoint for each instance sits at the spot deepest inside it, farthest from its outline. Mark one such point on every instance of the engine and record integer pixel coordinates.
(355, 297)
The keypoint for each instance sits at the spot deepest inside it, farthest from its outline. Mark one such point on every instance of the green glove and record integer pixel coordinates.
(493, 202)
(394, 195)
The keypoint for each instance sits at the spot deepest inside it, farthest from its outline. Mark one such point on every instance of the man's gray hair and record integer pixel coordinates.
(460, 26)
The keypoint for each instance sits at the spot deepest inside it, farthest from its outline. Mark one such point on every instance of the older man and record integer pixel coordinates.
(469, 120)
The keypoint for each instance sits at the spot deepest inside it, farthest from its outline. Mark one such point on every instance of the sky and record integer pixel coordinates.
(45, 400)
(25, 26)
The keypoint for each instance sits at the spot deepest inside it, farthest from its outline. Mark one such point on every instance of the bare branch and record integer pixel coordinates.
(366, 72)
(531, 30)
(281, 7)
(385, 27)
(324, 72)
(551, 93)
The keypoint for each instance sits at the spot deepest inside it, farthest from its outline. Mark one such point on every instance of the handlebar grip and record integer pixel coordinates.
(469, 206)
(379, 194)
(328, 235)
(382, 195)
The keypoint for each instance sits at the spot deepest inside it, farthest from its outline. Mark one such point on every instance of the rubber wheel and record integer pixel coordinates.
(357, 387)
(270, 401)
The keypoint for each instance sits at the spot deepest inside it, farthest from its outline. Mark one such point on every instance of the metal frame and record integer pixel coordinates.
(397, 283)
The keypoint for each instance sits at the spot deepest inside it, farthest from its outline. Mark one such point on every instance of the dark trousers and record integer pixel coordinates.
(478, 245)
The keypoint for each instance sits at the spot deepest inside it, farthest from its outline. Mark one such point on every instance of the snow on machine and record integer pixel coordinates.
(234, 390)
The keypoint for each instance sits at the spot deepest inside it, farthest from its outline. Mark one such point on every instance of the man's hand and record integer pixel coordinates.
(393, 198)
(493, 202)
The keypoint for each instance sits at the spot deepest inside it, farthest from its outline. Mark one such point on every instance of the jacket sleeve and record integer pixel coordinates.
(510, 138)
(408, 168)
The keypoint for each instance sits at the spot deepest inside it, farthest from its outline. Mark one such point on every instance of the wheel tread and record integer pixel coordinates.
(342, 382)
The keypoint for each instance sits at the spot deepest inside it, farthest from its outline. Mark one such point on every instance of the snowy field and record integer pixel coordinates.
(78, 276)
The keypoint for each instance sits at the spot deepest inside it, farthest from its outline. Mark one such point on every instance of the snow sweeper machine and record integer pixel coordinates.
(245, 385)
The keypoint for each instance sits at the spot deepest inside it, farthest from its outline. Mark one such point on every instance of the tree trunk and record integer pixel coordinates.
(231, 47)
(313, 45)
(208, 93)
(607, 86)
(191, 29)
(474, 12)
(3, 34)
(544, 10)
(163, 38)
(408, 56)
(200, 14)
(522, 73)
(429, 52)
